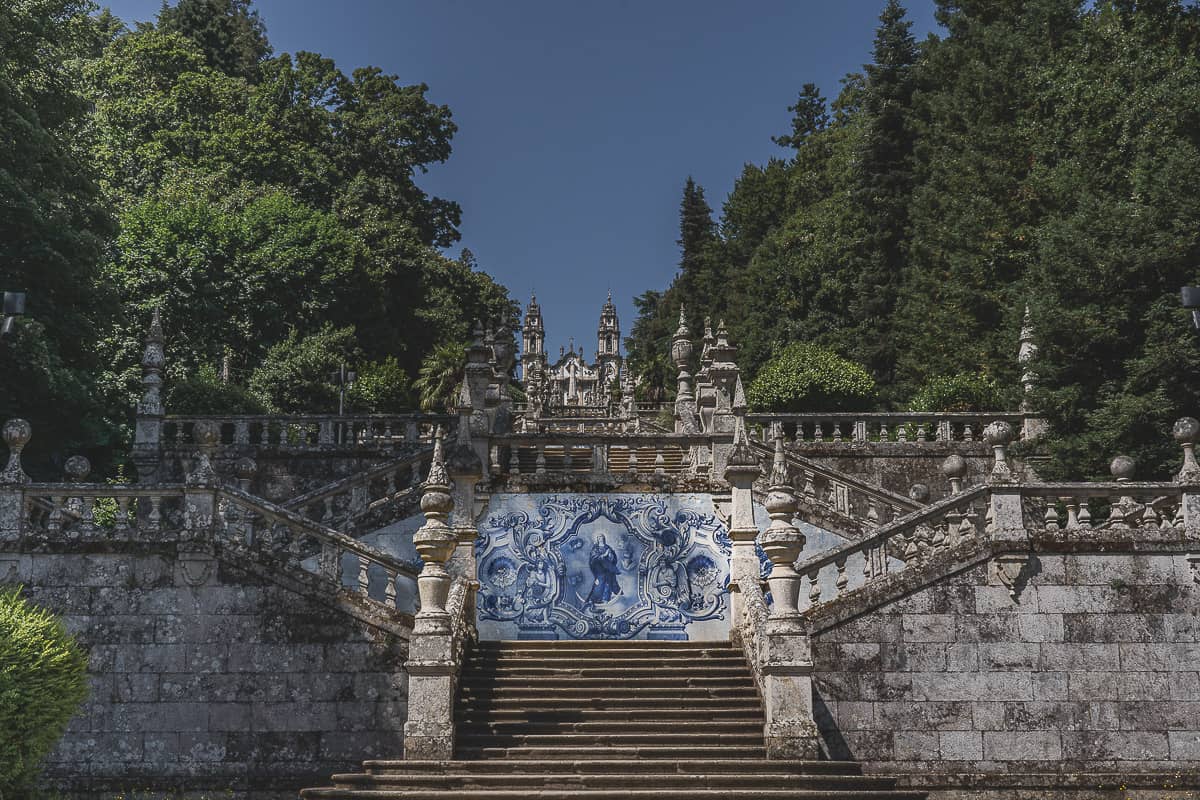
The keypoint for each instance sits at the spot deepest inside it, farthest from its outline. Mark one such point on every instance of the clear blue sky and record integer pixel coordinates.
(580, 121)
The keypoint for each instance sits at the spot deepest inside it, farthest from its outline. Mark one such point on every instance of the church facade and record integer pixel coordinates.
(571, 380)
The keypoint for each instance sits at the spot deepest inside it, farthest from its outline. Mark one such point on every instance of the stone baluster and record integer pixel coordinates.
(860, 430)
(76, 469)
(16, 433)
(429, 731)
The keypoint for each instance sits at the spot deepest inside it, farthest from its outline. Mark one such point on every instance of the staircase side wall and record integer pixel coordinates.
(209, 680)
(1091, 679)
(896, 466)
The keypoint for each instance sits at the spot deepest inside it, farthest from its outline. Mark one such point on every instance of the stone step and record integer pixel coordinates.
(613, 752)
(477, 713)
(611, 739)
(614, 662)
(554, 779)
(572, 671)
(558, 647)
(602, 696)
(696, 725)
(623, 652)
(681, 766)
(618, 793)
(545, 684)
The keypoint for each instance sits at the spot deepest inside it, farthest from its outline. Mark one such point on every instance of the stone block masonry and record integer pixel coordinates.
(206, 678)
(1089, 678)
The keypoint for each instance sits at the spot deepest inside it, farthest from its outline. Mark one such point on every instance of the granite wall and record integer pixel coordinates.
(1091, 678)
(207, 677)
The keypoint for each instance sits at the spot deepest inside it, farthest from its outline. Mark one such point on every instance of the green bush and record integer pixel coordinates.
(43, 680)
(962, 392)
(205, 393)
(382, 387)
(805, 377)
(295, 376)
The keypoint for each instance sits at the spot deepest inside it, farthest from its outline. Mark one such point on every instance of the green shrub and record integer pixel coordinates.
(43, 680)
(962, 392)
(805, 377)
(295, 376)
(382, 387)
(205, 393)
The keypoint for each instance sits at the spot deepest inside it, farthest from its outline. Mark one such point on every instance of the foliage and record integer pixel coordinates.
(229, 33)
(43, 681)
(441, 375)
(296, 376)
(962, 392)
(806, 377)
(381, 388)
(203, 392)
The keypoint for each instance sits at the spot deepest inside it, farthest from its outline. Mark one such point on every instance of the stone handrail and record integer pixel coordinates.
(1099, 506)
(252, 522)
(751, 624)
(460, 606)
(843, 494)
(91, 509)
(876, 427)
(307, 431)
(342, 503)
(595, 452)
(906, 540)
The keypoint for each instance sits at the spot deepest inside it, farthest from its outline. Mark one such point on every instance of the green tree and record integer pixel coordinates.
(809, 117)
(42, 684)
(297, 374)
(229, 33)
(440, 377)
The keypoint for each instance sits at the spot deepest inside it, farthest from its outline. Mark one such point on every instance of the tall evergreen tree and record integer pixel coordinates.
(229, 33)
(809, 117)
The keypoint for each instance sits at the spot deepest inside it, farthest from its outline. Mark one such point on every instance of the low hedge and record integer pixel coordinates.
(804, 377)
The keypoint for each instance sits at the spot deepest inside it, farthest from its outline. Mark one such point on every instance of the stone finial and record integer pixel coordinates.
(681, 355)
(16, 433)
(741, 457)
(1122, 468)
(76, 468)
(207, 434)
(919, 493)
(1185, 432)
(1027, 351)
(245, 469)
(462, 458)
(955, 469)
(153, 360)
(435, 542)
(782, 541)
(998, 435)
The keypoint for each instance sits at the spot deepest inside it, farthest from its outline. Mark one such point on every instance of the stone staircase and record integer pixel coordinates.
(607, 720)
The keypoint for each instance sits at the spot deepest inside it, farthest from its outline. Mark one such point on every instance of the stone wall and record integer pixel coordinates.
(1091, 677)
(206, 677)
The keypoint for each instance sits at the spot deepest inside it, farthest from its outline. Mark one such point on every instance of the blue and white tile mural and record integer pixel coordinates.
(603, 566)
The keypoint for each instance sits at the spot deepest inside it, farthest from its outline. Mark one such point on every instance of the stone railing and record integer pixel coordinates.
(252, 522)
(343, 504)
(76, 511)
(918, 428)
(822, 488)
(574, 453)
(461, 607)
(298, 432)
(1070, 512)
(750, 627)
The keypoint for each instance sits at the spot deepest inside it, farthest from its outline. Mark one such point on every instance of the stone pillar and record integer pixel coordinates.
(1186, 431)
(741, 470)
(998, 435)
(429, 731)
(201, 483)
(148, 427)
(477, 378)
(786, 660)
(686, 420)
(16, 433)
(465, 469)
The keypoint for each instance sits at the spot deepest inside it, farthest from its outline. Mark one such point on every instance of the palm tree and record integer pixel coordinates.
(440, 375)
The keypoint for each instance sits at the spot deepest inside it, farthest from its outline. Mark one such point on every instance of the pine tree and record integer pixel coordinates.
(231, 35)
(809, 117)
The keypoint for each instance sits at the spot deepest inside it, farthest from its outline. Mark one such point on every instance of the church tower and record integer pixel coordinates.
(608, 346)
(533, 338)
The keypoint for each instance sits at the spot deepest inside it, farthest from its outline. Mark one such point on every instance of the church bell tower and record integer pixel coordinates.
(533, 338)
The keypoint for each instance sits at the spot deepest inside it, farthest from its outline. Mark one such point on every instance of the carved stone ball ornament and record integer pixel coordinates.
(1186, 430)
(206, 433)
(16, 433)
(998, 433)
(955, 469)
(77, 468)
(919, 492)
(1122, 468)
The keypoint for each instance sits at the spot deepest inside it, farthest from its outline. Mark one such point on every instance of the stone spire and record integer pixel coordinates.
(782, 541)
(1026, 352)
(685, 400)
(153, 360)
(741, 457)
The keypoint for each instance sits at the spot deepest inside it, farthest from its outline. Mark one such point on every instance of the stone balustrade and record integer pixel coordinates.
(1079, 508)
(595, 453)
(299, 432)
(344, 503)
(248, 521)
(77, 511)
(884, 427)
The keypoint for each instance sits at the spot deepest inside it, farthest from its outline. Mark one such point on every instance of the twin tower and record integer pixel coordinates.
(571, 380)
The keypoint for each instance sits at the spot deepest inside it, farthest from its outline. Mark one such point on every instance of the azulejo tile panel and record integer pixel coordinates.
(603, 566)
